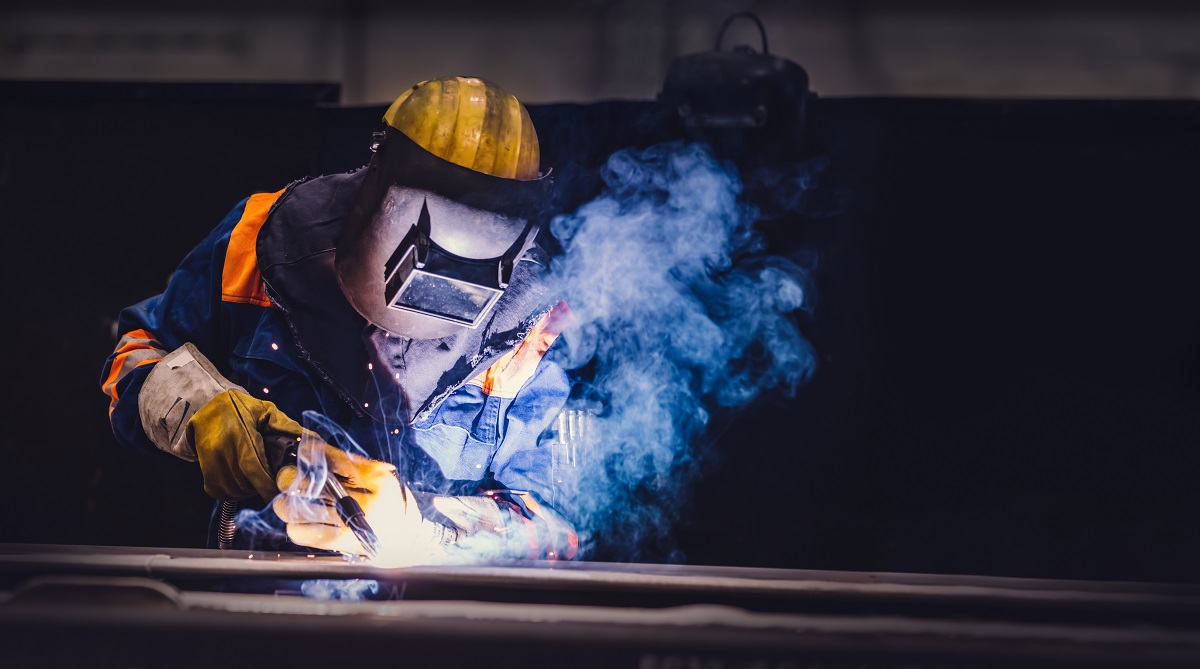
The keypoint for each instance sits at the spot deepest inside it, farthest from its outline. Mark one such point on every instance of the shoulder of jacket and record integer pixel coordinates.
(241, 282)
(325, 191)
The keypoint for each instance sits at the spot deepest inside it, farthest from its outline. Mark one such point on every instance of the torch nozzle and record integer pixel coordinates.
(353, 515)
(349, 510)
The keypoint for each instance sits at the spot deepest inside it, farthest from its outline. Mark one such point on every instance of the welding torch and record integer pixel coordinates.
(348, 508)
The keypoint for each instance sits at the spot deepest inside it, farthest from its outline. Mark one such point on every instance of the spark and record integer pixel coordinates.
(266, 391)
(274, 346)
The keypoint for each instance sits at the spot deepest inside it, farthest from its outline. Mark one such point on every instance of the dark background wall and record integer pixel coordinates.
(588, 50)
(1009, 377)
(103, 189)
(1009, 348)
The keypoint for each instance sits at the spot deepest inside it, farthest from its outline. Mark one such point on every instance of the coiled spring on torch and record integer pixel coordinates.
(227, 525)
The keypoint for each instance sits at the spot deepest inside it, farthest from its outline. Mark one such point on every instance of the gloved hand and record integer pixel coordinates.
(188, 409)
(312, 519)
(227, 434)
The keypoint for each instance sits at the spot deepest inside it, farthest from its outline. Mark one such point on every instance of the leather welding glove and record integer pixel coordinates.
(390, 507)
(227, 435)
(190, 410)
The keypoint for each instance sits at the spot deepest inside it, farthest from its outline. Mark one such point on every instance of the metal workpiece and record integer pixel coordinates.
(532, 577)
(459, 633)
(646, 609)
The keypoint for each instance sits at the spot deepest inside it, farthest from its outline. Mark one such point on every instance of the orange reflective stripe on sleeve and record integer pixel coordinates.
(135, 348)
(241, 281)
(508, 374)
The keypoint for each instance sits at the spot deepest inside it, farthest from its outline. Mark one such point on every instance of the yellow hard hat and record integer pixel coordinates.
(470, 122)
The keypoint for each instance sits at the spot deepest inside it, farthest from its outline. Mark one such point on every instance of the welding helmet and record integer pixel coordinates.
(451, 200)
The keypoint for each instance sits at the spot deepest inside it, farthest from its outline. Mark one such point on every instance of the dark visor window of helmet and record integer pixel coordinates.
(443, 297)
(422, 277)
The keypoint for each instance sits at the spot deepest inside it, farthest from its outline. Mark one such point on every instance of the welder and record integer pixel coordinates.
(399, 307)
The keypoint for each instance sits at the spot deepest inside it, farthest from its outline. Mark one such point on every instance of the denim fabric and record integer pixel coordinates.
(472, 435)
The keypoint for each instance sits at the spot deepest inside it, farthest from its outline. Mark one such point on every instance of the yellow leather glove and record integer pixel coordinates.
(312, 520)
(228, 436)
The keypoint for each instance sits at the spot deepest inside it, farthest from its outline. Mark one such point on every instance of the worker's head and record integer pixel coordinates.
(451, 199)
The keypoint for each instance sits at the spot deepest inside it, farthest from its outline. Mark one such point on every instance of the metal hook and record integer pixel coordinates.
(750, 15)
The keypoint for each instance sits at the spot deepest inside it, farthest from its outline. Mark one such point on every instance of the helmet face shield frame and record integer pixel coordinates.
(424, 278)
(430, 245)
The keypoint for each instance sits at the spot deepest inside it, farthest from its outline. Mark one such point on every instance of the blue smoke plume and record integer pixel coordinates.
(677, 314)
